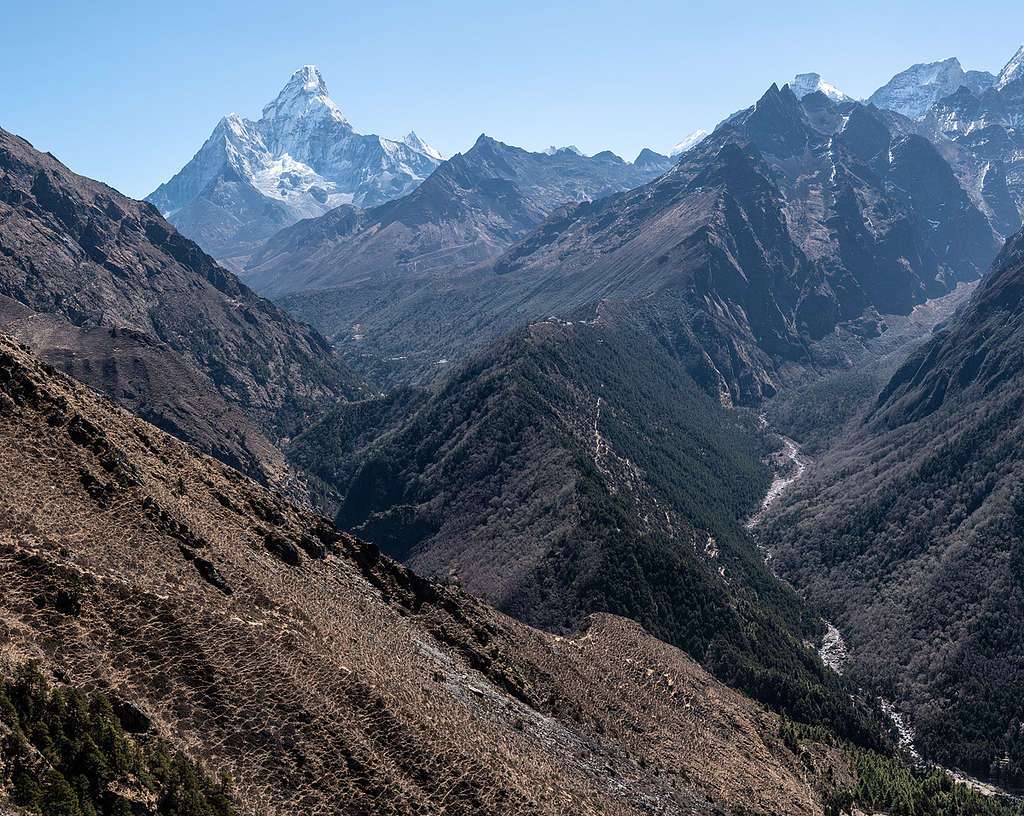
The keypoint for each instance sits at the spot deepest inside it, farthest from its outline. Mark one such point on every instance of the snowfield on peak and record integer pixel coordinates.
(420, 146)
(551, 151)
(691, 140)
(913, 91)
(1013, 70)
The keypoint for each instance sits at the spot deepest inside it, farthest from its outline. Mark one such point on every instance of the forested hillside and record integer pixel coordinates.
(321, 676)
(73, 248)
(575, 468)
(911, 535)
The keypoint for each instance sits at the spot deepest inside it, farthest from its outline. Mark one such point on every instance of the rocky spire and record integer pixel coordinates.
(305, 96)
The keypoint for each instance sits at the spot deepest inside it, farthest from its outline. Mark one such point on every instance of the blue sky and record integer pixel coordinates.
(127, 92)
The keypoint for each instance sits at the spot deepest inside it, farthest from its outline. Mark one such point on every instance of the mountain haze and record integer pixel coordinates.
(792, 218)
(473, 207)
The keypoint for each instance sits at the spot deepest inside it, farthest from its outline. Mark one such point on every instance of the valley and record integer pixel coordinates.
(832, 649)
(794, 467)
(344, 475)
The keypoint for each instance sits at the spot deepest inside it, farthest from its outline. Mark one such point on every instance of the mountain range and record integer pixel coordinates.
(221, 607)
(974, 117)
(984, 126)
(970, 116)
(472, 208)
(793, 217)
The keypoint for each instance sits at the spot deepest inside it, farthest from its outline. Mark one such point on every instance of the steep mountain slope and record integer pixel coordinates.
(977, 123)
(299, 160)
(879, 217)
(577, 468)
(323, 677)
(151, 381)
(471, 208)
(911, 535)
(75, 248)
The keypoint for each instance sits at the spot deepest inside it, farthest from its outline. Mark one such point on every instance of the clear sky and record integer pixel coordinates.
(127, 92)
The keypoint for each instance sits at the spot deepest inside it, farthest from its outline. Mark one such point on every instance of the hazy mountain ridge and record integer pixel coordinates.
(838, 213)
(152, 381)
(469, 210)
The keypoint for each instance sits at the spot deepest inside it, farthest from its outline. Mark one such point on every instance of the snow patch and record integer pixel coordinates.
(1013, 70)
(690, 141)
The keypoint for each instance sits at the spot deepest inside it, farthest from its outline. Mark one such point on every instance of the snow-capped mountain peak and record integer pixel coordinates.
(1013, 70)
(311, 78)
(804, 84)
(915, 90)
(300, 159)
(416, 143)
(304, 96)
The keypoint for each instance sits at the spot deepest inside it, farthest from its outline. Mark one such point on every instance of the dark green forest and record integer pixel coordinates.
(887, 783)
(67, 754)
(911, 536)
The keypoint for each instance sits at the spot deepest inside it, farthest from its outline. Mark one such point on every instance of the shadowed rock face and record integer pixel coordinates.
(979, 351)
(789, 219)
(976, 119)
(77, 250)
(320, 675)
